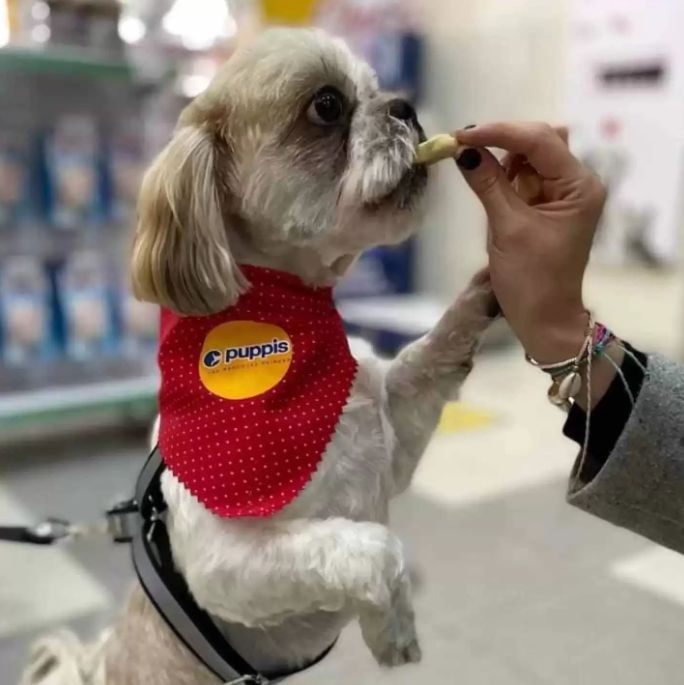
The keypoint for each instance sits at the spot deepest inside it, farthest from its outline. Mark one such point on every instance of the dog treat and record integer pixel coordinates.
(442, 146)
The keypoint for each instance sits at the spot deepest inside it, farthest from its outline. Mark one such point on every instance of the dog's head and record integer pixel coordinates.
(292, 152)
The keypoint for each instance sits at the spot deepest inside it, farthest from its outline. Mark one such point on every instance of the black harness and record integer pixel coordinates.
(141, 522)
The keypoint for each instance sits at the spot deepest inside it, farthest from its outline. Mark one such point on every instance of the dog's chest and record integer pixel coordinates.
(354, 479)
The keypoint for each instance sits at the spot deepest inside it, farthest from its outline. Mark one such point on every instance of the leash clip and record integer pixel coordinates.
(49, 532)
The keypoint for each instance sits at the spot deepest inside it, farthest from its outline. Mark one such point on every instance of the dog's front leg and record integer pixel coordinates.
(259, 573)
(430, 372)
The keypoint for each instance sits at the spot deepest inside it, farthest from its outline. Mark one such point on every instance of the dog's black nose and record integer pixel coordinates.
(402, 110)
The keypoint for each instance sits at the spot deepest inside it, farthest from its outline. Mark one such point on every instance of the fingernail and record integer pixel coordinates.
(469, 159)
(465, 128)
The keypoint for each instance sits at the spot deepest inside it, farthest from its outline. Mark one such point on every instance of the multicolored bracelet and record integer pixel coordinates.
(566, 375)
(573, 375)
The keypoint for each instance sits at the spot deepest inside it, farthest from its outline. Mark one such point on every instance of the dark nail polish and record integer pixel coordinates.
(469, 159)
(465, 128)
(494, 308)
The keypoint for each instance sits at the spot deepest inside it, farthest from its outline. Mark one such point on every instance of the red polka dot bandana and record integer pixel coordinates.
(251, 397)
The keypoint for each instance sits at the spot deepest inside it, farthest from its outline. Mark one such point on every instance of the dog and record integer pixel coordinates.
(294, 160)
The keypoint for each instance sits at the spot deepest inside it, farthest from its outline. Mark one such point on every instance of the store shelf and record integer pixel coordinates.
(50, 243)
(406, 315)
(131, 395)
(392, 321)
(64, 61)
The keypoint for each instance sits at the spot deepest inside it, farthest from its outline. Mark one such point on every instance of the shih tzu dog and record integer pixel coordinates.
(283, 451)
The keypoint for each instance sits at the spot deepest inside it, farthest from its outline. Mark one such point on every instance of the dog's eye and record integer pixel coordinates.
(327, 107)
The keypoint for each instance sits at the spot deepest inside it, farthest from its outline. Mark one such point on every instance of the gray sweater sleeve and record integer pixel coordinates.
(641, 485)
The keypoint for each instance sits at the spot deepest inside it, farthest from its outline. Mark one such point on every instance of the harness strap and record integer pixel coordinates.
(140, 521)
(168, 591)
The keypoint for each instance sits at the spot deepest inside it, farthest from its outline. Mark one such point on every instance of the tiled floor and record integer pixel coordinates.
(516, 588)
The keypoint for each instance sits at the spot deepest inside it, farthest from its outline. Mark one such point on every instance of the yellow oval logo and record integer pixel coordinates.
(243, 359)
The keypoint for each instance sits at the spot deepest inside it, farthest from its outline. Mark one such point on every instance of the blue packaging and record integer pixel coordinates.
(126, 167)
(381, 271)
(86, 300)
(140, 327)
(74, 170)
(26, 313)
(15, 179)
(397, 57)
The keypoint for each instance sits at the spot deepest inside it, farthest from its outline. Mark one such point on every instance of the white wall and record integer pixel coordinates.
(504, 60)
(486, 60)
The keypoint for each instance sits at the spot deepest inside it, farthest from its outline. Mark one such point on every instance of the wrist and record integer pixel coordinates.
(603, 373)
(564, 341)
(550, 342)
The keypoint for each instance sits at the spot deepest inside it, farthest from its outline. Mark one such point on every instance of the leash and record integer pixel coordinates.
(115, 525)
(141, 522)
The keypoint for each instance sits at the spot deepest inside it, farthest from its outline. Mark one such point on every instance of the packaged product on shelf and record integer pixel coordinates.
(127, 165)
(387, 34)
(86, 302)
(140, 327)
(69, 23)
(74, 170)
(15, 160)
(26, 315)
(103, 35)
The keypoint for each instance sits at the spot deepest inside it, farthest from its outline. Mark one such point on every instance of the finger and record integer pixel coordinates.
(540, 143)
(487, 179)
(524, 179)
(513, 163)
(482, 277)
(528, 184)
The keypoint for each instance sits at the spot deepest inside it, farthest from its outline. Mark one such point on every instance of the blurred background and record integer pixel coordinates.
(512, 586)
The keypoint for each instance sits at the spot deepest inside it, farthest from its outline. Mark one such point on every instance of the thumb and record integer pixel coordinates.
(487, 179)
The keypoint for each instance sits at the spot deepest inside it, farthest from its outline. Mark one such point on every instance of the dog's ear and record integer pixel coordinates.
(181, 257)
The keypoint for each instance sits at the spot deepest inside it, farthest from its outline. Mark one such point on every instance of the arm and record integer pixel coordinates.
(640, 484)
(633, 472)
(543, 208)
(609, 415)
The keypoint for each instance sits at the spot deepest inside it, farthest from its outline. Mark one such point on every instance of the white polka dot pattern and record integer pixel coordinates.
(253, 457)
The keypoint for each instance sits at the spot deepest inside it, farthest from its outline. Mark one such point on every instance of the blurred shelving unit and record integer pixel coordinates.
(124, 68)
(391, 322)
(44, 82)
(62, 61)
(135, 397)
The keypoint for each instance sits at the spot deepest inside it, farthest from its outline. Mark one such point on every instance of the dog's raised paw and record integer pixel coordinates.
(398, 654)
(393, 641)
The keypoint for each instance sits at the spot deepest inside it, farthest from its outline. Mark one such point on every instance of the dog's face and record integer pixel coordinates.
(292, 146)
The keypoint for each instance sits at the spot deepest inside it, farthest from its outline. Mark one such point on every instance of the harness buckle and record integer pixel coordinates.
(123, 521)
(256, 679)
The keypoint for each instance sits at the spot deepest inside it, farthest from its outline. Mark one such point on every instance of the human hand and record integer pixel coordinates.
(540, 230)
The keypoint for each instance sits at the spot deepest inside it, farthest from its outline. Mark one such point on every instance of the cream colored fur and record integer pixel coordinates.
(251, 178)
